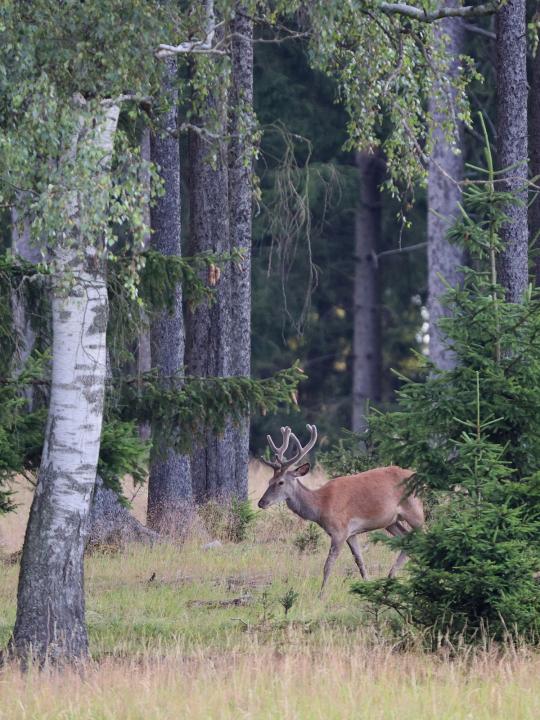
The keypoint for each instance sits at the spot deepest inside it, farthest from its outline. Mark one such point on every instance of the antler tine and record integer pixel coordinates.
(303, 451)
(279, 452)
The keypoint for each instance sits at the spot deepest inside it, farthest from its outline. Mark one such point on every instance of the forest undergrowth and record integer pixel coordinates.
(237, 631)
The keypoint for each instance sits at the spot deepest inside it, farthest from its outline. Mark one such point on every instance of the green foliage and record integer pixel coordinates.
(473, 436)
(309, 539)
(309, 190)
(242, 516)
(387, 67)
(122, 452)
(21, 431)
(184, 408)
(228, 519)
(288, 600)
(351, 454)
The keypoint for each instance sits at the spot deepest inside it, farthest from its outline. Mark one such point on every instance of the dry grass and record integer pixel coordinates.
(179, 647)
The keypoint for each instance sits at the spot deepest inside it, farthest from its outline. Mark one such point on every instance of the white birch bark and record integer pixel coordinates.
(50, 623)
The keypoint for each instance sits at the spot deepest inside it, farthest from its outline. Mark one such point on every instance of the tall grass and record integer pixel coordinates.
(181, 632)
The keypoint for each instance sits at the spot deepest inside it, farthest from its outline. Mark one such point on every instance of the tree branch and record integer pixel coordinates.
(195, 46)
(422, 15)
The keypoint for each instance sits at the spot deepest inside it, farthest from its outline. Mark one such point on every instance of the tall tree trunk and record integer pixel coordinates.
(366, 320)
(445, 172)
(534, 144)
(169, 485)
(50, 622)
(241, 126)
(512, 143)
(208, 349)
(144, 354)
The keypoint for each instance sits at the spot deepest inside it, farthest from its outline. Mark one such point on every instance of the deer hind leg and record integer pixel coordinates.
(352, 542)
(397, 529)
(335, 549)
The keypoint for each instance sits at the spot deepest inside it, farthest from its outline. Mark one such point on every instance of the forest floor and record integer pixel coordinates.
(178, 631)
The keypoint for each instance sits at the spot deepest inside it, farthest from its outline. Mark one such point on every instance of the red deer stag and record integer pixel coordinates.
(347, 505)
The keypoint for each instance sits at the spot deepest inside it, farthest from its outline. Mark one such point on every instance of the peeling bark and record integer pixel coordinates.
(169, 484)
(366, 321)
(444, 193)
(240, 202)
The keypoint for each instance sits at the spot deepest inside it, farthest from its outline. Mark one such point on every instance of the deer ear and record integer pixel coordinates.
(302, 470)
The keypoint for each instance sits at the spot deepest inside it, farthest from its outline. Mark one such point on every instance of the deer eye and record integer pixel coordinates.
(281, 482)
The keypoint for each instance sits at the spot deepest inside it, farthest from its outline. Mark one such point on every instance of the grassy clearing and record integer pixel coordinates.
(178, 646)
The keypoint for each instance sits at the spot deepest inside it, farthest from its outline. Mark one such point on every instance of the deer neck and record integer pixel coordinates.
(304, 502)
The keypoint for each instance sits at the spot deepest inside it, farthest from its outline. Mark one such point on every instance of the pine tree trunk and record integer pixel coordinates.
(241, 126)
(111, 523)
(144, 354)
(512, 143)
(208, 348)
(534, 143)
(169, 484)
(366, 320)
(444, 193)
(50, 622)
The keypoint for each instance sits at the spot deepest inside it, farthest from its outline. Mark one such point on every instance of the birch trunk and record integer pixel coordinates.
(208, 349)
(366, 321)
(50, 622)
(169, 484)
(240, 202)
(444, 193)
(512, 143)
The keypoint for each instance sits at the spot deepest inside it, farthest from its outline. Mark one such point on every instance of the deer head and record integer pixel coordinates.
(282, 484)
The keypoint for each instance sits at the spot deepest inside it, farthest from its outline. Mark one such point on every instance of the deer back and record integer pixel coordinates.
(372, 499)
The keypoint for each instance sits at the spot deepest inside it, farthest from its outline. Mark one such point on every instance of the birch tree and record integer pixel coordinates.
(65, 68)
(50, 600)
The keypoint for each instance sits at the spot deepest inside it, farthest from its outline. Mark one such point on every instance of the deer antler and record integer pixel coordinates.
(281, 463)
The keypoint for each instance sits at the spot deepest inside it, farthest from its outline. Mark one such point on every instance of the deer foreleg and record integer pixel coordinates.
(335, 549)
(352, 542)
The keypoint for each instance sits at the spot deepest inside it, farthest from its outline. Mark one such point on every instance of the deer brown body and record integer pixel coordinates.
(347, 505)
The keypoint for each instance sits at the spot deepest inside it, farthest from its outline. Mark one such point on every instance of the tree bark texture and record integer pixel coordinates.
(444, 193)
(50, 622)
(241, 126)
(534, 145)
(169, 484)
(512, 144)
(25, 334)
(50, 602)
(209, 331)
(111, 523)
(144, 354)
(366, 320)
